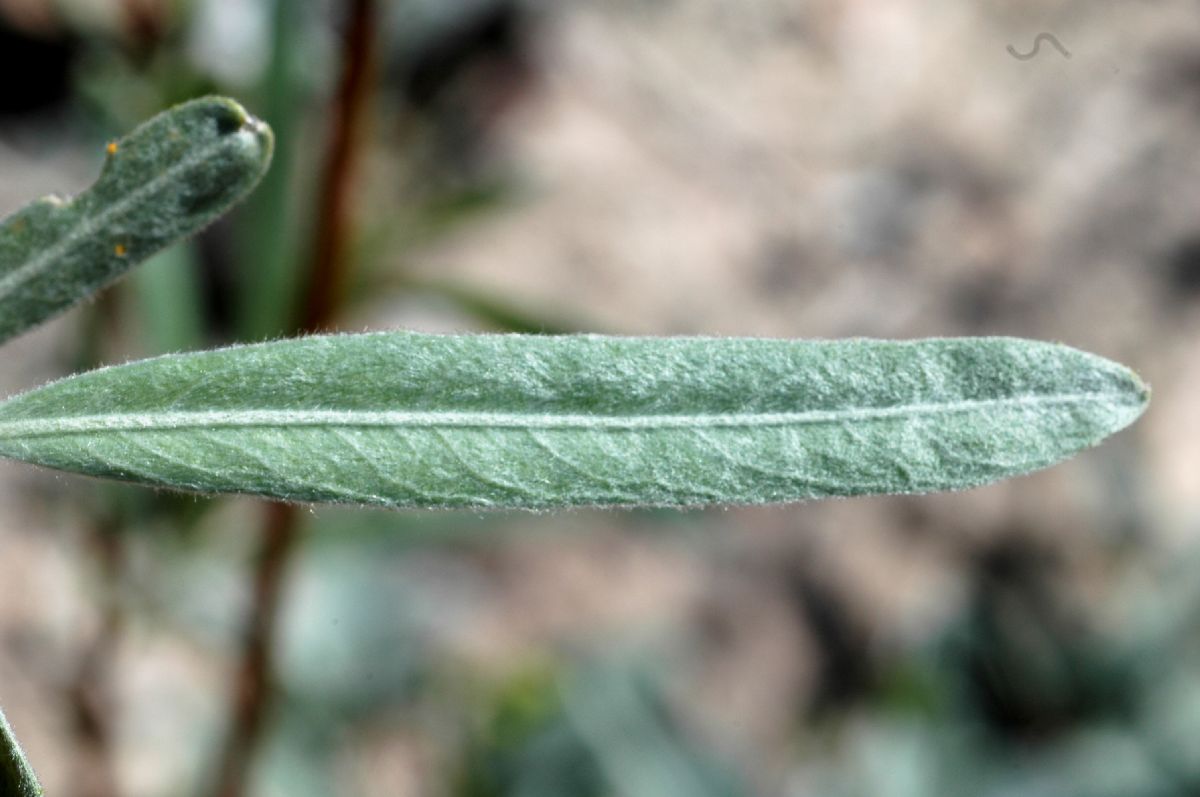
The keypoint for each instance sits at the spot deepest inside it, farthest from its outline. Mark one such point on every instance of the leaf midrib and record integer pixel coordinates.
(210, 419)
(89, 224)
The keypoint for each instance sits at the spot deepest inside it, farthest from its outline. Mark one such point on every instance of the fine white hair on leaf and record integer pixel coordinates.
(405, 419)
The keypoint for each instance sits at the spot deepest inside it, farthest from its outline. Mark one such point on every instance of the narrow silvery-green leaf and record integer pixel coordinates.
(405, 419)
(16, 776)
(165, 180)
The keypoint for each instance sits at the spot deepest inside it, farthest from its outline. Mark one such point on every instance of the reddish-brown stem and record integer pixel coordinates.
(89, 692)
(253, 686)
(327, 275)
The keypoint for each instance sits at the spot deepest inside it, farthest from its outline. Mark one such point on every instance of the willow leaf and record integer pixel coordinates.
(164, 181)
(411, 420)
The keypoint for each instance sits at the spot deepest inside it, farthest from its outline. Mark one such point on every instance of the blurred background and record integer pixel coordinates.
(797, 169)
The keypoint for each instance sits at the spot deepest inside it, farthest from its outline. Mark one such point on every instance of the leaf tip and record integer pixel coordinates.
(232, 119)
(1140, 391)
(1129, 396)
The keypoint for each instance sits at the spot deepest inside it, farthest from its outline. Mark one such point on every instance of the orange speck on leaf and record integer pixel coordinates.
(120, 250)
(112, 148)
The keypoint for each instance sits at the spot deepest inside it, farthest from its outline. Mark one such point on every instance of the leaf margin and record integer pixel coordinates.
(1121, 382)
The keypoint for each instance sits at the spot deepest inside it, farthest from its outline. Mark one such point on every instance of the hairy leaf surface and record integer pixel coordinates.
(411, 420)
(16, 776)
(164, 181)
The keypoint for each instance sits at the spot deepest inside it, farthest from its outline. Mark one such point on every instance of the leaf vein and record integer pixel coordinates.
(89, 225)
(283, 418)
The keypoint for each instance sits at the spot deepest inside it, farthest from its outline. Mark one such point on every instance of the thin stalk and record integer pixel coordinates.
(267, 293)
(90, 692)
(328, 273)
(253, 687)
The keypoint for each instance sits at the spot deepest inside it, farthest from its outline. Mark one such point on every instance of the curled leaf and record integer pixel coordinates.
(164, 181)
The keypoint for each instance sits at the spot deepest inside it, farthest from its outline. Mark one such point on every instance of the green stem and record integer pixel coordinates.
(16, 776)
(325, 281)
(268, 294)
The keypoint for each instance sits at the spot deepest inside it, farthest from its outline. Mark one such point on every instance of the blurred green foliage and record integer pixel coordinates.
(1023, 691)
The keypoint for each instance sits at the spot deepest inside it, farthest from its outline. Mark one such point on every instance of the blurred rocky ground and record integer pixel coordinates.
(819, 169)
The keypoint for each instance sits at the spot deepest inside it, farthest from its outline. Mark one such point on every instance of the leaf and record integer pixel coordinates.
(410, 420)
(16, 776)
(166, 180)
